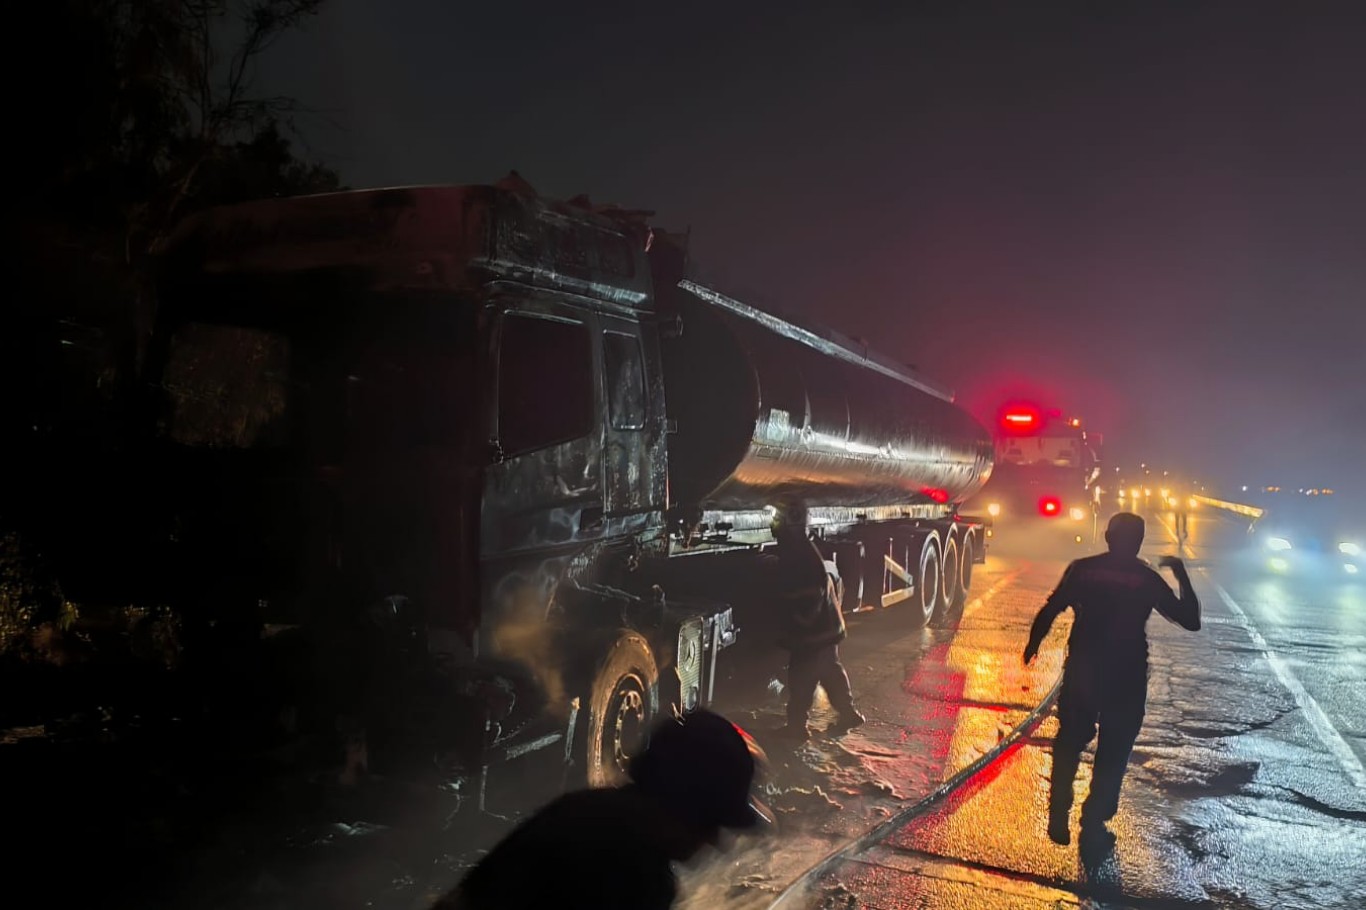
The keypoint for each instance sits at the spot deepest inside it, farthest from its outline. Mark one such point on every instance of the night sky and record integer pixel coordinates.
(1154, 215)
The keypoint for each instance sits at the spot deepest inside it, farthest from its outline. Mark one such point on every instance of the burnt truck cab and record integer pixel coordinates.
(432, 416)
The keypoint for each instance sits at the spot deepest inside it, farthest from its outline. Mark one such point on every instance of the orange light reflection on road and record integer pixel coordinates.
(999, 818)
(995, 678)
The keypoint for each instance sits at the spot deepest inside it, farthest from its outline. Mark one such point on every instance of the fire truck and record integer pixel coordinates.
(1046, 475)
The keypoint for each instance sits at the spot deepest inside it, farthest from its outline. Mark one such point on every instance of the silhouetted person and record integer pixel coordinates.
(1105, 680)
(1182, 518)
(813, 626)
(614, 849)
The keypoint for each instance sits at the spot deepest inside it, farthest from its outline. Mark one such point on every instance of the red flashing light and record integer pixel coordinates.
(1021, 418)
(1050, 506)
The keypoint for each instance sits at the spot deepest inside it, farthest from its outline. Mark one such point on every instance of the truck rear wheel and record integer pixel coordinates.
(874, 573)
(965, 558)
(949, 581)
(623, 704)
(849, 558)
(928, 579)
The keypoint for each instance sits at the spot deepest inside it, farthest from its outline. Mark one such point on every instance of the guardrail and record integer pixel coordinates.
(1239, 508)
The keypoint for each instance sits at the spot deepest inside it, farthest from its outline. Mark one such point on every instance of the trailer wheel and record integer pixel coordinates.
(949, 581)
(965, 559)
(623, 704)
(928, 580)
(850, 560)
(875, 581)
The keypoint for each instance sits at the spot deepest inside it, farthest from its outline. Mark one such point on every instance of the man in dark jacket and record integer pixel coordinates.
(614, 849)
(1105, 680)
(814, 626)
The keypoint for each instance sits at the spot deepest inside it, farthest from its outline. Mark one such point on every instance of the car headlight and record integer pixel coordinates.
(1349, 549)
(994, 509)
(1277, 544)
(1351, 569)
(1076, 514)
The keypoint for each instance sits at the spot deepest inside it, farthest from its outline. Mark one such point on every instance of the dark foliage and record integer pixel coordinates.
(134, 114)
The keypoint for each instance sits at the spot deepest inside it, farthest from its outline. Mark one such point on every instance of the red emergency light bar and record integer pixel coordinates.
(1021, 419)
(1050, 506)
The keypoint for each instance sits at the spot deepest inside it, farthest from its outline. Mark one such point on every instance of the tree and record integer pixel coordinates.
(142, 111)
(133, 114)
(148, 93)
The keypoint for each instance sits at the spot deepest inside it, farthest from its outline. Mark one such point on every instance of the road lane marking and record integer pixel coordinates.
(1180, 547)
(1318, 721)
(980, 600)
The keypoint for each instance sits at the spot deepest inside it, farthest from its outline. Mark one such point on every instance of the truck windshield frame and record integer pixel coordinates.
(545, 382)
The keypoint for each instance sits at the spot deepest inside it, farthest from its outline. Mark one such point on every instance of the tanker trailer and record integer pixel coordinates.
(761, 408)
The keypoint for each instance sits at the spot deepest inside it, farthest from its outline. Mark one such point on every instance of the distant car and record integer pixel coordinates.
(1311, 534)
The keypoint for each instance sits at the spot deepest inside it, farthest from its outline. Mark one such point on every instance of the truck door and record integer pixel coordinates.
(633, 453)
(544, 484)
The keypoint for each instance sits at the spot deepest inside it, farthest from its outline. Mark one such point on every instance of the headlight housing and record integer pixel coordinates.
(1348, 548)
(1277, 544)
(1076, 514)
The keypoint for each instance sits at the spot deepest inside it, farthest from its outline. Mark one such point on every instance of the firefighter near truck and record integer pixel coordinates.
(1044, 486)
(509, 472)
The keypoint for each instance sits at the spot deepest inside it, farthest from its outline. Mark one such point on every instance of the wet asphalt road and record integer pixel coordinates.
(1245, 788)
(936, 699)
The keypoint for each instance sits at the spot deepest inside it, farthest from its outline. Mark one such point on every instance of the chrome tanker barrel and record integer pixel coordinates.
(764, 407)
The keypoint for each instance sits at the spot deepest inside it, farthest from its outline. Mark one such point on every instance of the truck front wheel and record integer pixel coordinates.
(623, 704)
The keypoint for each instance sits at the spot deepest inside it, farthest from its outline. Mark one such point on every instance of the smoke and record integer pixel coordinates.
(520, 631)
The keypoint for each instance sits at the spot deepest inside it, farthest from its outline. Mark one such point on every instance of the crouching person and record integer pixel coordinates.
(615, 848)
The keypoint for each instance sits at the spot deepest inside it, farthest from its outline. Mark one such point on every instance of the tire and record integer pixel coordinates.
(928, 578)
(623, 704)
(874, 573)
(849, 558)
(965, 558)
(949, 580)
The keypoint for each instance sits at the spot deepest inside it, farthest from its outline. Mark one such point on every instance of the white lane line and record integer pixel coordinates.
(1183, 549)
(1323, 728)
(978, 602)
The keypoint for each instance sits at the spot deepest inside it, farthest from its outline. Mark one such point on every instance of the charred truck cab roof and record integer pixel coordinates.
(443, 238)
